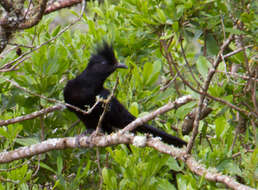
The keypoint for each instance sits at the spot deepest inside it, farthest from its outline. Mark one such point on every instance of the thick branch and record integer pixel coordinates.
(8, 6)
(57, 5)
(35, 20)
(169, 106)
(115, 139)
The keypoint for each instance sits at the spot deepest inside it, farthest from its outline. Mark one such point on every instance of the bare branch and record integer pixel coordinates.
(13, 67)
(48, 99)
(236, 51)
(57, 5)
(169, 106)
(9, 180)
(47, 42)
(119, 138)
(14, 168)
(170, 61)
(205, 89)
(7, 5)
(31, 115)
(106, 104)
(187, 125)
(239, 153)
(35, 20)
(239, 76)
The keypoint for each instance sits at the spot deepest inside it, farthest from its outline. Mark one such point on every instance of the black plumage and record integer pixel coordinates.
(82, 91)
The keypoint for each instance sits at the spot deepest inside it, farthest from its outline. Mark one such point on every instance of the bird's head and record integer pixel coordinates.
(104, 61)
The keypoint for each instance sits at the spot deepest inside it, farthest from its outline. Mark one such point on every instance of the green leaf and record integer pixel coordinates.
(175, 26)
(234, 31)
(56, 30)
(173, 165)
(59, 164)
(98, 11)
(3, 132)
(164, 184)
(147, 72)
(161, 15)
(220, 125)
(203, 66)
(43, 165)
(134, 109)
(230, 167)
(109, 178)
(27, 141)
(212, 47)
(182, 182)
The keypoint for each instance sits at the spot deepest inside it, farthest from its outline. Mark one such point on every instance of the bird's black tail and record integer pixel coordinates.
(167, 138)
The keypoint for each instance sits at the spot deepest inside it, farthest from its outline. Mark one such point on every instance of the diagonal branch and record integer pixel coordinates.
(204, 91)
(31, 115)
(170, 61)
(169, 106)
(106, 104)
(57, 5)
(7, 5)
(116, 139)
(35, 20)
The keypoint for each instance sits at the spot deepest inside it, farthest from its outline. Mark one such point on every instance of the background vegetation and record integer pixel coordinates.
(165, 43)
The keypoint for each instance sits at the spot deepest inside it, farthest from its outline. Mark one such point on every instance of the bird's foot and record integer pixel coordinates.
(78, 138)
(96, 133)
(91, 132)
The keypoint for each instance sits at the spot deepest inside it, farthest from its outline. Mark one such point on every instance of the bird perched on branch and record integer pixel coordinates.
(82, 91)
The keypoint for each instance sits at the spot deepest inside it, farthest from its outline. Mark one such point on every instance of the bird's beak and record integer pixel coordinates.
(121, 65)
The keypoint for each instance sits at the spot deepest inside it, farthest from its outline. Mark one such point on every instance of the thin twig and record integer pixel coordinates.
(20, 45)
(186, 61)
(28, 23)
(207, 139)
(13, 67)
(99, 168)
(170, 62)
(48, 41)
(245, 77)
(72, 126)
(14, 168)
(106, 105)
(253, 91)
(223, 27)
(239, 153)
(205, 89)
(45, 98)
(31, 115)
(9, 180)
(236, 51)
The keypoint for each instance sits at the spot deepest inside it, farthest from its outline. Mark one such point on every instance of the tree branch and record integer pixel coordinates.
(31, 115)
(35, 20)
(204, 91)
(169, 106)
(57, 5)
(119, 138)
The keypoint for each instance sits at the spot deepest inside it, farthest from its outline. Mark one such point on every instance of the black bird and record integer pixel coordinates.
(82, 91)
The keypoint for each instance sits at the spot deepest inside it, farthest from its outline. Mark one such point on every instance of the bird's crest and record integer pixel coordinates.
(104, 52)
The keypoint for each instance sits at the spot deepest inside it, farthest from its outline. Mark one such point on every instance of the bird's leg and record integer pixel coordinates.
(91, 132)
